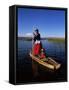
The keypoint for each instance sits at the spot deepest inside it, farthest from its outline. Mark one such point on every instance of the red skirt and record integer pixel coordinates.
(36, 49)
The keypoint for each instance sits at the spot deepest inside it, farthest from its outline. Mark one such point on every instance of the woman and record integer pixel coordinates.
(36, 42)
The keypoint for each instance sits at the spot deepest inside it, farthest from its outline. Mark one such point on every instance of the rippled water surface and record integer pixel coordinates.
(55, 50)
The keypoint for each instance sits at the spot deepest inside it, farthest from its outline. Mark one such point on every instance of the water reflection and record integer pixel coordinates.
(53, 49)
(24, 65)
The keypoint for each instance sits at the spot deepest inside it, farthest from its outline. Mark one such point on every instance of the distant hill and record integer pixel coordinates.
(44, 38)
(25, 38)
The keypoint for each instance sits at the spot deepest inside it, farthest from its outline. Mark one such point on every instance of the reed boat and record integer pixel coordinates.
(47, 62)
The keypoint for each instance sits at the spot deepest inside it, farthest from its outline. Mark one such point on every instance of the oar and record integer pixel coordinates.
(32, 42)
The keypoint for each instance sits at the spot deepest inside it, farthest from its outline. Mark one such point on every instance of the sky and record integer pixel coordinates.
(51, 23)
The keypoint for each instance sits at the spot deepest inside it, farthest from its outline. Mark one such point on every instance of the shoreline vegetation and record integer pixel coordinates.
(56, 39)
(52, 39)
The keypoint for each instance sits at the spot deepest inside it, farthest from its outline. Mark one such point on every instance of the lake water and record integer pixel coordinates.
(55, 50)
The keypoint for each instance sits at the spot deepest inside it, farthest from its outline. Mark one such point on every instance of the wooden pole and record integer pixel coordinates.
(34, 64)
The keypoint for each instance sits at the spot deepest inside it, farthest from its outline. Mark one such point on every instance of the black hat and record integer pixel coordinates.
(37, 30)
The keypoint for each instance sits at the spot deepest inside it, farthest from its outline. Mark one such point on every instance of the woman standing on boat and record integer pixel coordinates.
(36, 43)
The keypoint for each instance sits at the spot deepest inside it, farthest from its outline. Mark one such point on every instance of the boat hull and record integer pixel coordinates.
(49, 63)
